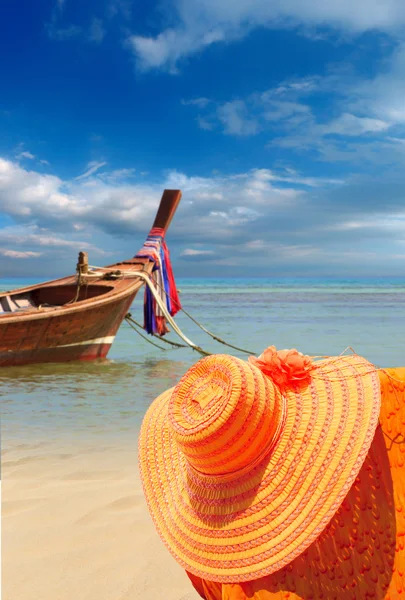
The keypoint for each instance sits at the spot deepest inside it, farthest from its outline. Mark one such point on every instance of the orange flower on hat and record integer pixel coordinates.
(284, 367)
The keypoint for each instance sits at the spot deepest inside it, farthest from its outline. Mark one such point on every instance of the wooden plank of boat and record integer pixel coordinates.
(47, 323)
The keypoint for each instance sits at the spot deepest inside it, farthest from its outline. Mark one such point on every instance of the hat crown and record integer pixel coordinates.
(225, 415)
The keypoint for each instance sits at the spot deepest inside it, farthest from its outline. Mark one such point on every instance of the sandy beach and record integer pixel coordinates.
(75, 525)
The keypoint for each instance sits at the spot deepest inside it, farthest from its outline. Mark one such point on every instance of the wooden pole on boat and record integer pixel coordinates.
(168, 205)
(83, 263)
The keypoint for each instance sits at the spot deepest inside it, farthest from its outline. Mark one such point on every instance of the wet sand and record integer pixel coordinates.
(75, 525)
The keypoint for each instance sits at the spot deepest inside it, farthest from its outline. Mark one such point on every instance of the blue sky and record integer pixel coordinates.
(282, 122)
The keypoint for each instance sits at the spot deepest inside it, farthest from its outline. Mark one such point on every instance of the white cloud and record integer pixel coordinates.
(112, 204)
(203, 22)
(26, 154)
(235, 118)
(116, 176)
(400, 141)
(155, 52)
(237, 215)
(365, 127)
(205, 124)
(16, 254)
(92, 167)
(282, 251)
(169, 46)
(32, 196)
(383, 96)
(194, 185)
(351, 125)
(393, 223)
(278, 109)
(50, 254)
(32, 236)
(346, 225)
(275, 110)
(301, 86)
(255, 219)
(193, 252)
(250, 116)
(292, 177)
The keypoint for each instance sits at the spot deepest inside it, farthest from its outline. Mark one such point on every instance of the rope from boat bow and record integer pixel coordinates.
(101, 272)
(167, 315)
(131, 321)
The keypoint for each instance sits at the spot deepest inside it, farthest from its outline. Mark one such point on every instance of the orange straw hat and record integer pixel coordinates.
(244, 464)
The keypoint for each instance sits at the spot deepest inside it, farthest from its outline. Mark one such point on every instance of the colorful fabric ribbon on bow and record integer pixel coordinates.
(156, 250)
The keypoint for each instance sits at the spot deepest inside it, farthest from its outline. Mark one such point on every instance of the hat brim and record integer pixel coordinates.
(242, 529)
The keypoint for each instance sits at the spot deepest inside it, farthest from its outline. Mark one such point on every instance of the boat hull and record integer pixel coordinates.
(83, 335)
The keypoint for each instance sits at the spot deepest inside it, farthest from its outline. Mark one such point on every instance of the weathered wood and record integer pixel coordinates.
(168, 205)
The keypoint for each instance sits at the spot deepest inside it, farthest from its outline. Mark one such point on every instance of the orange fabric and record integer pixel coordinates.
(360, 555)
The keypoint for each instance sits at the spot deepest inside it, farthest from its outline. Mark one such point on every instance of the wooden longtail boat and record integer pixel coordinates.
(76, 317)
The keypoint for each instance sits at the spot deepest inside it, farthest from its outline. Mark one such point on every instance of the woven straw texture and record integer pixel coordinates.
(240, 479)
(361, 553)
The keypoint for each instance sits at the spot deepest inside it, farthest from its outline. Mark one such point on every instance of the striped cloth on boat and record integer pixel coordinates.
(156, 250)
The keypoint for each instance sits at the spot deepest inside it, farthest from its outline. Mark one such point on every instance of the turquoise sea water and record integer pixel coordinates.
(106, 400)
